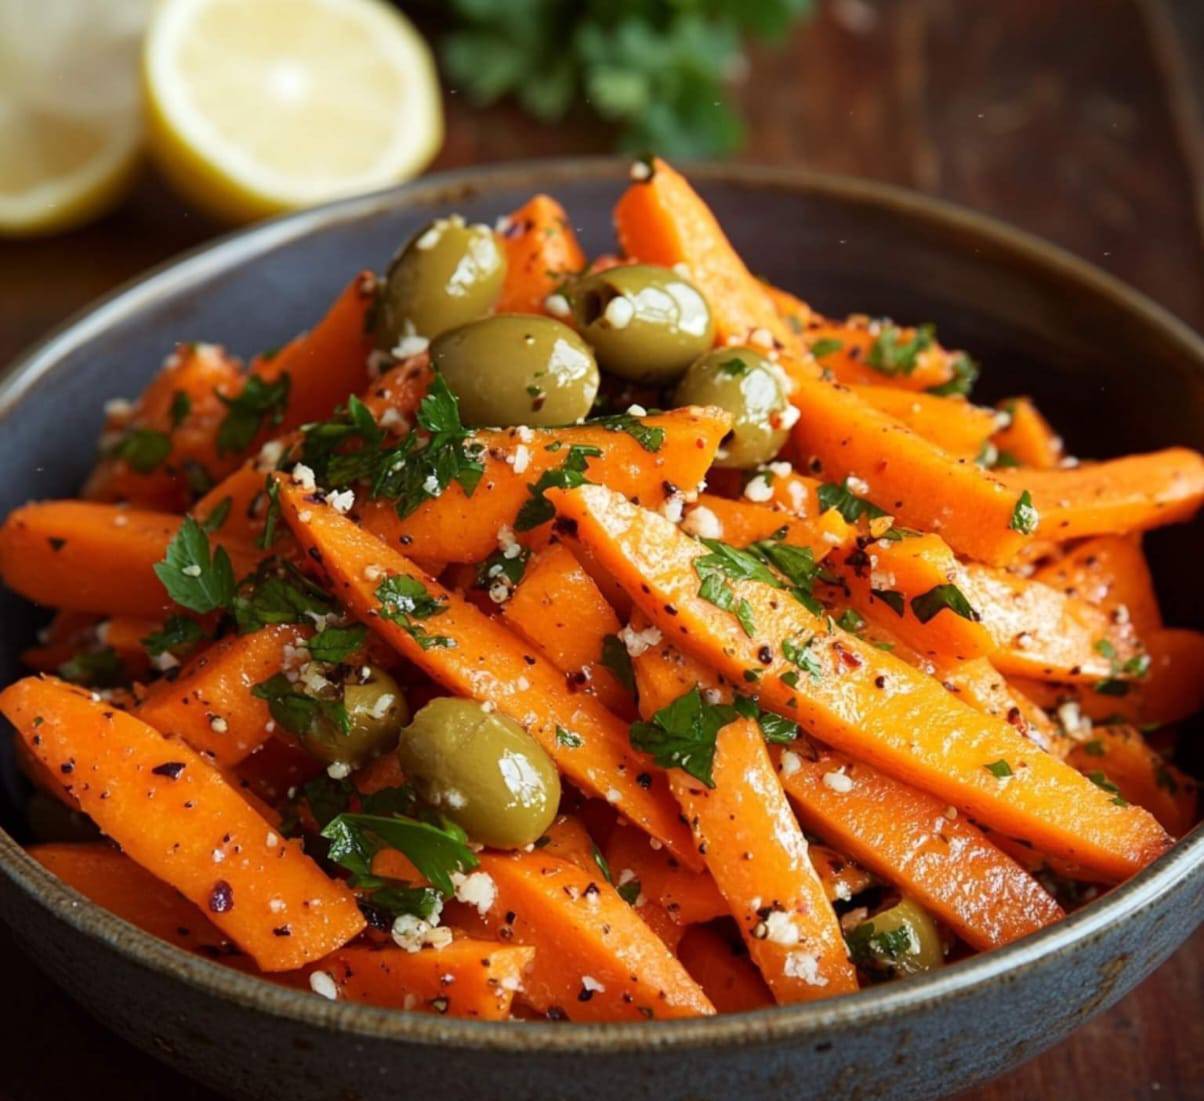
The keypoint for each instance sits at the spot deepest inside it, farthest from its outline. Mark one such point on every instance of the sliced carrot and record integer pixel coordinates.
(907, 476)
(595, 960)
(210, 704)
(953, 424)
(1135, 493)
(661, 219)
(541, 252)
(909, 838)
(111, 879)
(863, 701)
(1041, 632)
(725, 973)
(567, 839)
(841, 876)
(182, 410)
(1027, 437)
(847, 351)
(687, 896)
(467, 978)
(482, 660)
(742, 522)
(327, 363)
(912, 585)
(558, 608)
(1111, 572)
(202, 837)
(456, 527)
(93, 557)
(1122, 757)
(276, 767)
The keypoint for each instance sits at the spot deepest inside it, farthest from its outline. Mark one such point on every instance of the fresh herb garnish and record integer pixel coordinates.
(797, 565)
(846, 502)
(177, 633)
(181, 406)
(299, 712)
(193, 577)
(892, 598)
(437, 852)
(850, 621)
(500, 566)
(683, 735)
(1104, 784)
(336, 644)
(890, 354)
(965, 375)
(999, 769)
(1025, 517)
(616, 658)
(404, 600)
(1136, 666)
(144, 449)
(569, 475)
(277, 592)
(826, 346)
(868, 947)
(217, 515)
(568, 738)
(629, 892)
(649, 437)
(100, 668)
(799, 653)
(246, 413)
(935, 600)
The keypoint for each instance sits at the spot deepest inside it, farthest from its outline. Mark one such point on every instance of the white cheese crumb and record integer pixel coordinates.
(640, 171)
(373, 572)
(588, 982)
(338, 770)
(789, 416)
(805, 966)
(269, 455)
(637, 642)
(634, 410)
(781, 929)
(837, 781)
(411, 343)
(320, 982)
(614, 795)
(165, 661)
(303, 476)
(277, 905)
(522, 459)
(857, 485)
(672, 508)
(763, 338)
(476, 889)
(218, 856)
(392, 419)
(342, 502)
(192, 570)
(430, 486)
(791, 762)
(218, 725)
(271, 840)
(758, 489)
(700, 521)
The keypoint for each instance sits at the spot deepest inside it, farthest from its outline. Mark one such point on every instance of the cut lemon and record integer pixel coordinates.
(260, 107)
(69, 113)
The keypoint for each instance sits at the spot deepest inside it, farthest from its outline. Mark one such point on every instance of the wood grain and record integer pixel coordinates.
(1075, 119)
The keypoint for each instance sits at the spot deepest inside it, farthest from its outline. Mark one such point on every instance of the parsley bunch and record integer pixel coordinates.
(659, 70)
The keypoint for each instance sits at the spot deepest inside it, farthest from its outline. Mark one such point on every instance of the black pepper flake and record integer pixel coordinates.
(644, 779)
(282, 931)
(584, 994)
(221, 898)
(170, 769)
(555, 1013)
(67, 767)
(765, 655)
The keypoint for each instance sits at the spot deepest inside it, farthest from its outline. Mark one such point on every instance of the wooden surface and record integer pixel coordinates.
(1076, 119)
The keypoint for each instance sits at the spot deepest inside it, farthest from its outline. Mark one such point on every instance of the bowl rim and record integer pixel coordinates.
(794, 1022)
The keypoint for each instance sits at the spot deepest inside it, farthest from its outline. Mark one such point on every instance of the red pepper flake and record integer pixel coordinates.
(847, 657)
(221, 898)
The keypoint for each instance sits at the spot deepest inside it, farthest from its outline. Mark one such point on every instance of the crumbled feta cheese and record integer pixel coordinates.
(805, 966)
(342, 502)
(614, 795)
(338, 770)
(410, 344)
(218, 856)
(588, 982)
(119, 409)
(381, 707)
(712, 696)
(857, 485)
(320, 982)
(218, 725)
(373, 572)
(522, 459)
(277, 905)
(272, 840)
(192, 570)
(788, 417)
(475, 889)
(557, 305)
(634, 410)
(303, 476)
(165, 661)
(1073, 721)
(672, 507)
(781, 929)
(640, 171)
(619, 312)
(269, 455)
(838, 781)
(758, 489)
(791, 762)
(305, 516)
(700, 521)
(638, 642)
(431, 487)
(392, 419)
(763, 338)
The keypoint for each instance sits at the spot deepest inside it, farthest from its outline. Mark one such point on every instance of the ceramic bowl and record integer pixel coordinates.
(1111, 368)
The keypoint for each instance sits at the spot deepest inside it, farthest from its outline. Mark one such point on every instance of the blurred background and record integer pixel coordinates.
(131, 130)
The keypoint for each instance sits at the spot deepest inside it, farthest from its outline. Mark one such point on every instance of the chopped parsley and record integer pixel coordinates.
(999, 769)
(568, 475)
(260, 401)
(277, 592)
(193, 577)
(336, 644)
(500, 565)
(800, 654)
(1136, 666)
(217, 515)
(1025, 517)
(935, 600)
(892, 598)
(616, 658)
(1104, 784)
(724, 564)
(568, 738)
(629, 892)
(177, 633)
(649, 437)
(298, 712)
(405, 600)
(846, 502)
(181, 406)
(870, 948)
(891, 354)
(850, 621)
(826, 346)
(965, 375)
(797, 565)
(100, 668)
(144, 449)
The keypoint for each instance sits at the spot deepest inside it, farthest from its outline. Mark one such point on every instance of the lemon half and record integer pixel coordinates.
(262, 106)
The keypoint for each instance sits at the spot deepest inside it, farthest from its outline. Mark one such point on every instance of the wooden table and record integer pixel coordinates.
(1076, 119)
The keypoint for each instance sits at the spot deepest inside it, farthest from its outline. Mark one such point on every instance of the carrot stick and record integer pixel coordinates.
(757, 855)
(567, 839)
(468, 978)
(863, 701)
(595, 960)
(275, 767)
(726, 974)
(541, 252)
(848, 350)
(1027, 438)
(111, 879)
(660, 219)
(1043, 633)
(953, 424)
(688, 896)
(1110, 572)
(91, 557)
(1122, 756)
(456, 527)
(1135, 493)
(558, 608)
(180, 412)
(481, 659)
(909, 477)
(210, 705)
(114, 765)
(909, 838)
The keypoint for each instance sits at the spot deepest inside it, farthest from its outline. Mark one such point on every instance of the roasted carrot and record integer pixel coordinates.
(724, 971)
(863, 352)
(953, 424)
(1135, 493)
(210, 705)
(93, 557)
(202, 837)
(161, 451)
(557, 607)
(687, 896)
(1110, 572)
(1121, 756)
(594, 958)
(1027, 438)
(909, 838)
(661, 219)
(907, 476)
(567, 839)
(457, 527)
(476, 656)
(541, 252)
(276, 767)
(861, 700)
(467, 978)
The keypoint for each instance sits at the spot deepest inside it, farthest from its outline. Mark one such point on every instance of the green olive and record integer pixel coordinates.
(517, 369)
(645, 323)
(376, 711)
(750, 388)
(481, 769)
(902, 940)
(447, 274)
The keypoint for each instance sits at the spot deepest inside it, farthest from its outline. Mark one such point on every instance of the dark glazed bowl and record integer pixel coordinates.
(1114, 370)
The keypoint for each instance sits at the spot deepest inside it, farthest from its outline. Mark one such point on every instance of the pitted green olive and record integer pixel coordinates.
(376, 710)
(645, 323)
(750, 388)
(448, 274)
(902, 940)
(482, 770)
(517, 369)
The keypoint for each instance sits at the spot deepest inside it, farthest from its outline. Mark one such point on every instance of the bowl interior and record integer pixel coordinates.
(1111, 371)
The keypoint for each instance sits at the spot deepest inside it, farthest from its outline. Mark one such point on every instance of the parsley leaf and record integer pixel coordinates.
(616, 658)
(501, 566)
(99, 668)
(404, 600)
(246, 412)
(965, 375)
(194, 578)
(336, 644)
(649, 437)
(629, 892)
(826, 346)
(891, 355)
(847, 503)
(999, 769)
(217, 515)
(850, 621)
(935, 600)
(870, 948)
(1104, 784)
(568, 738)
(800, 654)
(892, 598)
(297, 711)
(569, 475)
(797, 565)
(143, 448)
(181, 406)
(1025, 517)
(277, 592)
(436, 852)
(178, 632)
(683, 734)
